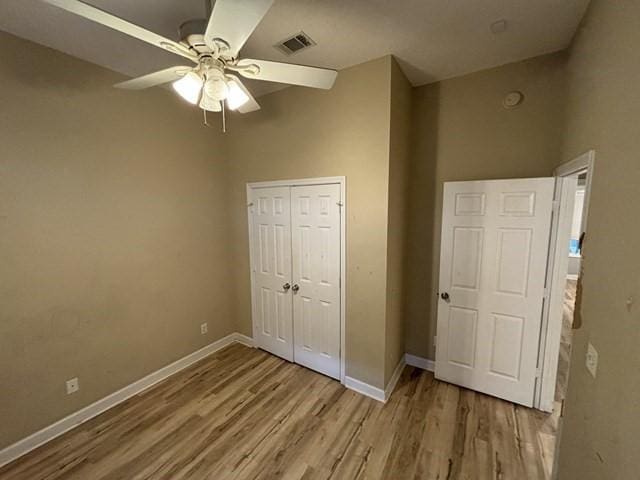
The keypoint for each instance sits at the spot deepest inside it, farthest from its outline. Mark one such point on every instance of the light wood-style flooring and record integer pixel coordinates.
(244, 414)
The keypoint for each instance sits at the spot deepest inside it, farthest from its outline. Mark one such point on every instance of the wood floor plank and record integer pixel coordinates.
(244, 414)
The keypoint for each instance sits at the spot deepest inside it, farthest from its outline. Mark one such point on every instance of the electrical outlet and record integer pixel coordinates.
(204, 328)
(592, 360)
(73, 385)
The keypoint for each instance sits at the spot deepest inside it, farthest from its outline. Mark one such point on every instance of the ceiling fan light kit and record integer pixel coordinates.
(213, 46)
(188, 87)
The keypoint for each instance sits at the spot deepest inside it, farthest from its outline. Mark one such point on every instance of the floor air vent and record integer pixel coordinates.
(295, 43)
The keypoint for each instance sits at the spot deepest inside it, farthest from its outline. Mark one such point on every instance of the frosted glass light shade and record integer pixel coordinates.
(236, 97)
(210, 104)
(189, 87)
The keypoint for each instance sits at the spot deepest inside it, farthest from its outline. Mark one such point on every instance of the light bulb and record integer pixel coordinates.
(216, 88)
(210, 104)
(237, 96)
(189, 87)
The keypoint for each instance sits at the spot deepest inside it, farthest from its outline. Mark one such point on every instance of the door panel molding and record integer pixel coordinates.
(494, 248)
(271, 271)
(315, 227)
(253, 255)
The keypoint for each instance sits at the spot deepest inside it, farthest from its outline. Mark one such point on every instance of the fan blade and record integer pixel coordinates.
(234, 21)
(288, 73)
(250, 105)
(155, 78)
(99, 16)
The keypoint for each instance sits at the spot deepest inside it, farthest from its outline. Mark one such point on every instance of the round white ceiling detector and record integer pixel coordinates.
(513, 99)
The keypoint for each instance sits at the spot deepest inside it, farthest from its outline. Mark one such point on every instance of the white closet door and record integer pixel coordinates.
(315, 218)
(271, 246)
(495, 243)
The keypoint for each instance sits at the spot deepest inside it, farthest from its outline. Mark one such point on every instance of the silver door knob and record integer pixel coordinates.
(286, 287)
(295, 288)
(445, 296)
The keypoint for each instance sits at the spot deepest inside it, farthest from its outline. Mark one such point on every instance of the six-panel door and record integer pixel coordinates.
(271, 244)
(296, 263)
(494, 248)
(315, 227)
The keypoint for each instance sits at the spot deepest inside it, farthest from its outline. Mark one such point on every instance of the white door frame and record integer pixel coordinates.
(342, 181)
(556, 280)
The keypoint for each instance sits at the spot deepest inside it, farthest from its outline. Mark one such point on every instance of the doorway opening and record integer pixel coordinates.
(573, 273)
(564, 276)
(569, 233)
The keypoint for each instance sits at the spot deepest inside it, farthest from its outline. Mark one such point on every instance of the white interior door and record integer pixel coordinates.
(271, 246)
(315, 217)
(493, 258)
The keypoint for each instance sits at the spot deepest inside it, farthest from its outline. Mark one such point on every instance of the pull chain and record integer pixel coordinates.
(205, 118)
(224, 119)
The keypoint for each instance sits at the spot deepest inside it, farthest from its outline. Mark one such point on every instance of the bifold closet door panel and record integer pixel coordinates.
(315, 241)
(271, 246)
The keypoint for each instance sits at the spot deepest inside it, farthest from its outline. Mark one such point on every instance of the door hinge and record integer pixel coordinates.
(340, 204)
(538, 372)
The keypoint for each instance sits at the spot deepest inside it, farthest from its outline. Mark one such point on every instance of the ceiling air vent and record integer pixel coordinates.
(295, 43)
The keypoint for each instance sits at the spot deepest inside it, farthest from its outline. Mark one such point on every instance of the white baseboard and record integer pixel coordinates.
(364, 388)
(393, 381)
(420, 362)
(243, 339)
(47, 434)
(375, 392)
(24, 446)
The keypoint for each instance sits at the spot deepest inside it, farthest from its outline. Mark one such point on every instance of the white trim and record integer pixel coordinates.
(243, 339)
(364, 389)
(298, 182)
(343, 278)
(420, 362)
(384, 395)
(33, 441)
(342, 181)
(555, 282)
(552, 330)
(586, 161)
(395, 376)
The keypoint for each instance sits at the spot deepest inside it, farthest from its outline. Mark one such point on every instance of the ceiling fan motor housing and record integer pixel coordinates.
(192, 33)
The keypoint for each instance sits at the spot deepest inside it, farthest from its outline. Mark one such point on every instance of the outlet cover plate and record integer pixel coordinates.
(73, 385)
(591, 360)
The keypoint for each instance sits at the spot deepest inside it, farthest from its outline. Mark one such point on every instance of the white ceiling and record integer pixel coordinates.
(432, 39)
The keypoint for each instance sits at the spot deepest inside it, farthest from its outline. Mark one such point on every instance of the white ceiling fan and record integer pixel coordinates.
(213, 46)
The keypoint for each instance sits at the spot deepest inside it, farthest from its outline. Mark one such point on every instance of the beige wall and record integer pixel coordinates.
(399, 149)
(602, 419)
(460, 131)
(113, 247)
(123, 222)
(303, 133)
